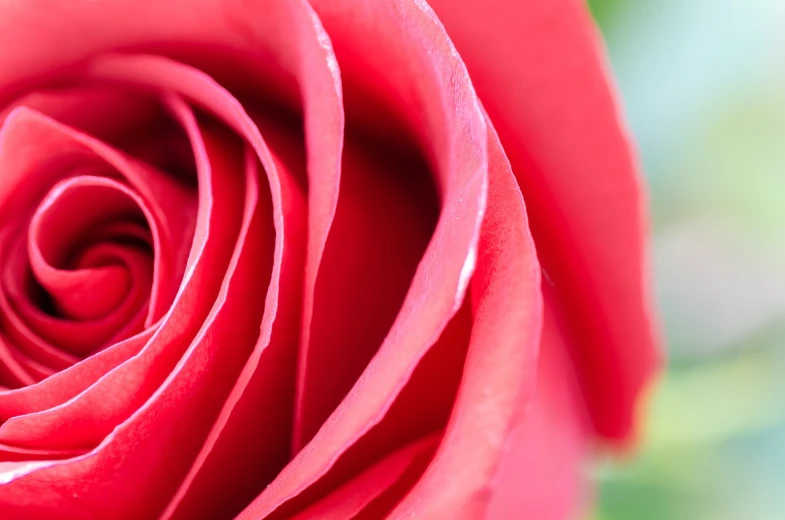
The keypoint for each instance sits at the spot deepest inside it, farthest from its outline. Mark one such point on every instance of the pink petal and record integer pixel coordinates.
(99, 310)
(501, 364)
(246, 44)
(64, 385)
(432, 86)
(250, 440)
(387, 212)
(134, 488)
(359, 494)
(542, 469)
(110, 113)
(538, 69)
(121, 391)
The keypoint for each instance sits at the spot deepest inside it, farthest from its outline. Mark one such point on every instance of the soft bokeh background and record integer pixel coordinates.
(703, 86)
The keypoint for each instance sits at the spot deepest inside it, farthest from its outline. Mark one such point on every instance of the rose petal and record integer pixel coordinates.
(250, 440)
(110, 113)
(15, 367)
(538, 70)
(30, 140)
(433, 80)
(359, 494)
(88, 288)
(161, 72)
(501, 363)
(387, 212)
(15, 453)
(208, 23)
(30, 143)
(128, 490)
(133, 381)
(66, 204)
(540, 472)
(420, 409)
(64, 385)
(272, 40)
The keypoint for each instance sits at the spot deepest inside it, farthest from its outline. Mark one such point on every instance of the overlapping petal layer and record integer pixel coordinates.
(271, 260)
(539, 73)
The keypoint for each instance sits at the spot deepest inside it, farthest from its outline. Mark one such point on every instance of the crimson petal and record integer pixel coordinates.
(454, 131)
(539, 71)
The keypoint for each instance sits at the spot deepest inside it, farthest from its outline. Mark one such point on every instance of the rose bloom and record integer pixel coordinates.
(313, 259)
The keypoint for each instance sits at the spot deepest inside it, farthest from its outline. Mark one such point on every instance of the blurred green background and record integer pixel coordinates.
(703, 87)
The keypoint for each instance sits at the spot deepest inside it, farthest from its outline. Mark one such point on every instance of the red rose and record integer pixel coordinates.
(270, 259)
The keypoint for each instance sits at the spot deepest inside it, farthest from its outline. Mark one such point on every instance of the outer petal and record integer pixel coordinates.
(538, 71)
(501, 363)
(539, 472)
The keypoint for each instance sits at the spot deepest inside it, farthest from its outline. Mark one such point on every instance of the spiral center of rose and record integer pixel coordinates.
(89, 247)
(88, 261)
